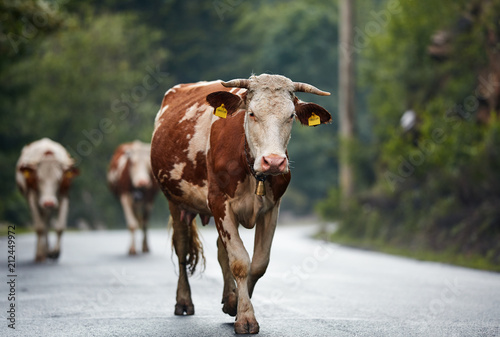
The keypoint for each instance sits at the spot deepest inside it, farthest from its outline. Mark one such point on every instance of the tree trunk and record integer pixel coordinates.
(346, 96)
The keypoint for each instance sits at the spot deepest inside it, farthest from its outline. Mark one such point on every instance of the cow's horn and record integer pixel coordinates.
(304, 87)
(238, 83)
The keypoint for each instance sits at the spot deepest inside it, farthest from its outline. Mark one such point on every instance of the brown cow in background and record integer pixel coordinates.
(131, 180)
(43, 174)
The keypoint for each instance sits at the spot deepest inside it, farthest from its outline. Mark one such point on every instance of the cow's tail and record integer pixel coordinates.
(195, 251)
(195, 246)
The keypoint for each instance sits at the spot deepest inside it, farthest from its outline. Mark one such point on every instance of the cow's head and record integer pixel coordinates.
(140, 165)
(50, 178)
(271, 106)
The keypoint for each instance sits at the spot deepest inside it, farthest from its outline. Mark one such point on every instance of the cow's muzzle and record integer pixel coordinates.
(49, 203)
(274, 164)
(143, 183)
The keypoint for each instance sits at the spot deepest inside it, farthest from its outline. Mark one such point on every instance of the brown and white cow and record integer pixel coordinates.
(131, 180)
(234, 168)
(43, 174)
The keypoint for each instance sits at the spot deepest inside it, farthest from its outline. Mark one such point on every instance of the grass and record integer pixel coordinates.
(449, 257)
(4, 229)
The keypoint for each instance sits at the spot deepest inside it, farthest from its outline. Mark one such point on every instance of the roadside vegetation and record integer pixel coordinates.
(435, 192)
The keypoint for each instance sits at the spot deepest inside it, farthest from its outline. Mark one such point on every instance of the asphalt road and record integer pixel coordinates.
(311, 288)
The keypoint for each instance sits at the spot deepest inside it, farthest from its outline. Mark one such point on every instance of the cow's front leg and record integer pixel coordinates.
(40, 229)
(229, 293)
(60, 226)
(42, 245)
(264, 233)
(239, 264)
(130, 218)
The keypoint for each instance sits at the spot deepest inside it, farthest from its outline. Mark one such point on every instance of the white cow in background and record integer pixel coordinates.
(44, 173)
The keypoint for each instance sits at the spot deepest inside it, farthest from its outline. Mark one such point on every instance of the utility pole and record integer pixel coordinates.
(346, 96)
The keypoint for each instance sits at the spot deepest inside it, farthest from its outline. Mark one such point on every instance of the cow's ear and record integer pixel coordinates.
(231, 101)
(71, 172)
(28, 172)
(311, 114)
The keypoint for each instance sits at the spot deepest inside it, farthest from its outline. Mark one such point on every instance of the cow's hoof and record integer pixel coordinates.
(180, 309)
(132, 251)
(246, 326)
(54, 254)
(40, 258)
(230, 306)
(145, 249)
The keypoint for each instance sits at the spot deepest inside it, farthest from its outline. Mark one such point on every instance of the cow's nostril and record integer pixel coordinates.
(142, 183)
(49, 204)
(274, 163)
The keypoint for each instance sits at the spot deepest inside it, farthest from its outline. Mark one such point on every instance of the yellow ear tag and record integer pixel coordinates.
(68, 174)
(314, 120)
(26, 174)
(221, 111)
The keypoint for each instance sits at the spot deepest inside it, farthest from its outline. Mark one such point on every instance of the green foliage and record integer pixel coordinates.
(23, 22)
(437, 189)
(301, 36)
(85, 81)
(22, 25)
(90, 86)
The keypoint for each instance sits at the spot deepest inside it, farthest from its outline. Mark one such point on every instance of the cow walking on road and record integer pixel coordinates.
(228, 159)
(44, 173)
(131, 180)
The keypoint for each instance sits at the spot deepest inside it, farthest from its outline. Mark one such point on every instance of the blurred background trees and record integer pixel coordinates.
(92, 74)
(437, 183)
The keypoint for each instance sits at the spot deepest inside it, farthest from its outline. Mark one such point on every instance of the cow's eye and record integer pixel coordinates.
(251, 114)
(292, 115)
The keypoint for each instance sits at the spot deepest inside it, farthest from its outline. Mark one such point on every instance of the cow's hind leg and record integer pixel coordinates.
(229, 294)
(54, 253)
(188, 249)
(145, 218)
(145, 246)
